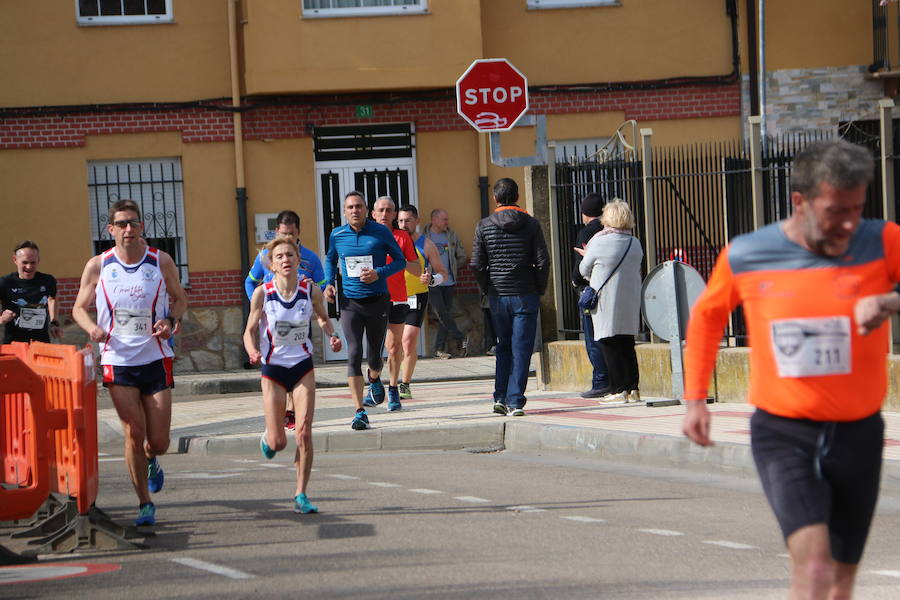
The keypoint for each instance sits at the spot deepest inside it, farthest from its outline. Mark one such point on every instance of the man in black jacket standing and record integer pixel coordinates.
(591, 207)
(512, 266)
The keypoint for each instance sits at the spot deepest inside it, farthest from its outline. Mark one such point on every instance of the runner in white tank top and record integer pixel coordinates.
(139, 300)
(130, 299)
(277, 335)
(284, 326)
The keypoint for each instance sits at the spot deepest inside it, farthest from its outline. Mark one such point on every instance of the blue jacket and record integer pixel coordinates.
(373, 240)
(310, 266)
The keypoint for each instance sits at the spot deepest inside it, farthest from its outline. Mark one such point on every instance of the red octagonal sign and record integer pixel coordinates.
(492, 95)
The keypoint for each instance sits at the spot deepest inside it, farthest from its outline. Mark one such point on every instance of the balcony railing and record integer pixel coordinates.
(885, 30)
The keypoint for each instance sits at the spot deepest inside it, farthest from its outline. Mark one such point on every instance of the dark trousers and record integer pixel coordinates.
(440, 297)
(515, 321)
(621, 363)
(600, 377)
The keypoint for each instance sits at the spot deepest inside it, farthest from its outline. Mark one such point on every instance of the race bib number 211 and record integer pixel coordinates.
(810, 347)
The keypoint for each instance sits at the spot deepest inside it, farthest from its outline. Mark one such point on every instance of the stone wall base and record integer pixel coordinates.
(565, 367)
(211, 339)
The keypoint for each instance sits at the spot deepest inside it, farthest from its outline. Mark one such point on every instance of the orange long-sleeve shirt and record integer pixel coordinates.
(806, 359)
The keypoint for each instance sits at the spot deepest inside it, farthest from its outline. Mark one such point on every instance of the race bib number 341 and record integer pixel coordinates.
(810, 347)
(132, 322)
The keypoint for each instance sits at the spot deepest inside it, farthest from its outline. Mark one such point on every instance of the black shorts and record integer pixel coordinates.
(416, 315)
(397, 314)
(815, 472)
(288, 377)
(148, 379)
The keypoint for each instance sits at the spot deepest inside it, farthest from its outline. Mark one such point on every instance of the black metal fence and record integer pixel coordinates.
(702, 197)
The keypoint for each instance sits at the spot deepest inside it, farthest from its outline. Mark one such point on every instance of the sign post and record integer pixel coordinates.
(492, 95)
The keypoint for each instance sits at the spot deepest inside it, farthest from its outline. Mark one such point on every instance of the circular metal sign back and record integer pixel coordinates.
(667, 295)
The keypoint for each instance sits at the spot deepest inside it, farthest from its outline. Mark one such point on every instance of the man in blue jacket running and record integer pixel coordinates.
(360, 249)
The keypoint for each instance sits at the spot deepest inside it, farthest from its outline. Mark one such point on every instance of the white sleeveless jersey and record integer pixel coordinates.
(284, 325)
(130, 299)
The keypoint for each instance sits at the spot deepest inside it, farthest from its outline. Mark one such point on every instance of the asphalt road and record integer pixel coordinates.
(446, 525)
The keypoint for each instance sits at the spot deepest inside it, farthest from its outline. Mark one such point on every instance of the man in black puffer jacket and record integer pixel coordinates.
(512, 266)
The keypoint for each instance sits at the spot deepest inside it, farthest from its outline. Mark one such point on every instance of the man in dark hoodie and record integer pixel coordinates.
(591, 207)
(512, 266)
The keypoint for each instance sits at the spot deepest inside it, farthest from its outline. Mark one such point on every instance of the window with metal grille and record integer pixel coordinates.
(539, 4)
(362, 8)
(156, 185)
(123, 12)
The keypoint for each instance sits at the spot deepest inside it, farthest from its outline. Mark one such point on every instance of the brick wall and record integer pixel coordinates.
(207, 288)
(296, 120)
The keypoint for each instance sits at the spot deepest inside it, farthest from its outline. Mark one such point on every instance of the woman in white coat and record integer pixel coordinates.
(612, 265)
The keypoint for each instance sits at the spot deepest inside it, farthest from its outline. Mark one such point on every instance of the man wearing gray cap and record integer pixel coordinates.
(591, 207)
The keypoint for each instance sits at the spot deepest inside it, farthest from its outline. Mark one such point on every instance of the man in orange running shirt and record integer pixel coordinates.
(815, 288)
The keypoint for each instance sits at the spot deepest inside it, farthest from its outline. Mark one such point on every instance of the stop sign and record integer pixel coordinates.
(491, 95)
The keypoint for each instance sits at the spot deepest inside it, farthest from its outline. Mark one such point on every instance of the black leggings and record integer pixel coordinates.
(369, 316)
(621, 363)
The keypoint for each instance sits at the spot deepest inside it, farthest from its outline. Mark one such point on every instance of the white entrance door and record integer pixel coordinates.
(373, 178)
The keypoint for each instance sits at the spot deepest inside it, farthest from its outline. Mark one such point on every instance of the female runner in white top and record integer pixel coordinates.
(288, 301)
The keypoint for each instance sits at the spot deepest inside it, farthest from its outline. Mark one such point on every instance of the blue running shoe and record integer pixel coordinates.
(264, 447)
(302, 505)
(146, 515)
(360, 420)
(375, 395)
(394, 398)
(155, 476)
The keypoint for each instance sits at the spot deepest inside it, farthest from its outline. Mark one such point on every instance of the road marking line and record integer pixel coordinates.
(384, 484)
(888, 573)
(666, 532)
(212, 568)
(339, 476)
(732, 545)
(244, 460)
(425, 491)
(472, 499)
(272, 465)
(111, 459)
(525, 508)
(581, 519)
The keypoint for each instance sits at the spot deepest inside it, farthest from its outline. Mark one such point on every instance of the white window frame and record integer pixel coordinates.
(550, 4)
(125, 19)
(364, 11)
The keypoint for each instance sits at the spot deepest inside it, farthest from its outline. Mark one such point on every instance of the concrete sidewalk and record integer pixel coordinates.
(447, 415)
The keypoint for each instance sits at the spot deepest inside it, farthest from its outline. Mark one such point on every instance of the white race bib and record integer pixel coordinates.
(809, 347)
(290, 333)
(32, 318)
(356, 264)
(413, 302)
(132, 322)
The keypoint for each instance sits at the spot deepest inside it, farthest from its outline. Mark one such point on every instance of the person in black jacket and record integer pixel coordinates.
(591, 207)
(512, 266)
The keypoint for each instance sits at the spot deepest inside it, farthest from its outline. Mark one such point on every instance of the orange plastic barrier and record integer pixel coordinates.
(70, 390)
(23, 435)
(16, 462)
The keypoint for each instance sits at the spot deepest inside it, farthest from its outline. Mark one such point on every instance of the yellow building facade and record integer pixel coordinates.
(105, 99)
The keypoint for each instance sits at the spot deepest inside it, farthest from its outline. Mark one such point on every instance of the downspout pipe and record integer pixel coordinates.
(762, 75)
(240, 189)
